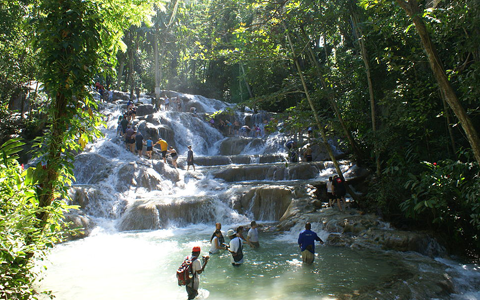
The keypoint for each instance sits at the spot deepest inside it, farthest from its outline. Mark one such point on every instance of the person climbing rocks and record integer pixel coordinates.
(330, 196)
(173, 154)
(130, 139)
(308, 154)
(163, 148)
(149, 144)
(124, 124)
(190, 160)
(139, 143)
(306, 242)
(292, 153)
(339, 191)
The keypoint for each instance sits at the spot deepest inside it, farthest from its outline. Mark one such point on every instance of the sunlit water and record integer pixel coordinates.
(142, 265)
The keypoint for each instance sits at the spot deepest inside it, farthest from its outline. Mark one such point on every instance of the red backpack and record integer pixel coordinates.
(184, 271)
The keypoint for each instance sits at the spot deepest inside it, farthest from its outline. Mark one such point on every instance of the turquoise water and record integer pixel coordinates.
(142, 265)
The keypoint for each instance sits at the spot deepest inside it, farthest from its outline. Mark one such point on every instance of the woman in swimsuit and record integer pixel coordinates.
(173, 154)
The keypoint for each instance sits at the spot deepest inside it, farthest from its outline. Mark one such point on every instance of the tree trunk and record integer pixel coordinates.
(157, 75)
(50, 173)
(370, 91)
(447, 118)
(245, 80)
(412, 9)
(121, 67)
(320, 127)
(131, 70)
(333, 103)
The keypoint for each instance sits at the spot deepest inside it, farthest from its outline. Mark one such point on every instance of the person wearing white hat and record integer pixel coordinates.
(235, 248)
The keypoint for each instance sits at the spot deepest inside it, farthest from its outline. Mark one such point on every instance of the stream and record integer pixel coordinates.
(142, 218)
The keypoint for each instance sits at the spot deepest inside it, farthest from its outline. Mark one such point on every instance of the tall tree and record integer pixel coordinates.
(412, 8)
(75, 42)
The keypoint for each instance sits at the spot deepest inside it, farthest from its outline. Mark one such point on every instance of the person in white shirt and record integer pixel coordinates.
(196, 269)
(235, 248)
(216, 244)
(330, 191)
(252, 235)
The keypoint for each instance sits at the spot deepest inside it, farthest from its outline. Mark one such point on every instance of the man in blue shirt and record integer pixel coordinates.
(306, 241)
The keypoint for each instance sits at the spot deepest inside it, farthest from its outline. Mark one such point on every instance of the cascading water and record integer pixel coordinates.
(145, 217)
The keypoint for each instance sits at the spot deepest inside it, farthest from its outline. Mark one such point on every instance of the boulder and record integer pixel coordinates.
(80, 224)
(141, 215)
(91, 168)
(125, 177)
(233, 145)
(266, 202)
(145, 109)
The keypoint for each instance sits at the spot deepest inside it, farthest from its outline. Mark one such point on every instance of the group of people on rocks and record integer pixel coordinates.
(105, 94)
(172, 103)
(135, 142)
(306, 243)
(292, 153)
(235, 128)
(336, 191)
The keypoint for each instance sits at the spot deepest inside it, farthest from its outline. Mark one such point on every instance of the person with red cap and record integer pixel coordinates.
(196, 268)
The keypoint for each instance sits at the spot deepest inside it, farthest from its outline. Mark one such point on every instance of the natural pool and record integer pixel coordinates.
(142, 265)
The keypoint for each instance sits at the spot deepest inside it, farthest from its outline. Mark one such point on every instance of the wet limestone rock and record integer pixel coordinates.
(91, 168)
(82, 224)
(141, 215)
(125, 177)
(233, 145)
(145, 109)
(266, 202)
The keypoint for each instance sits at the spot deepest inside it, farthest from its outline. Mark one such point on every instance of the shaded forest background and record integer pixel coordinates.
(396, 81)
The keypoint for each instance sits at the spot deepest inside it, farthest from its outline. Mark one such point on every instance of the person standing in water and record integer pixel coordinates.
(252, 235)
(190, 161)
(306, 242)
(216, 245)
(235, 248)
(196, 269)
(218, 227)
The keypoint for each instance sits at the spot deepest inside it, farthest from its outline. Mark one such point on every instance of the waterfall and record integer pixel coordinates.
(146, 216)
(112, 183)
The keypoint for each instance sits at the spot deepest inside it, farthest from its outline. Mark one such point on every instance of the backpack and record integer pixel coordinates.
(183, 272)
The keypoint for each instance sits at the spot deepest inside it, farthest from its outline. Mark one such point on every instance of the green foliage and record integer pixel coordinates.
(447, 194)
(17, 59)
(20, 238)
